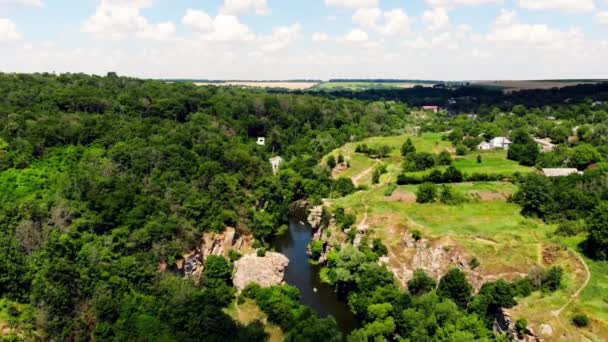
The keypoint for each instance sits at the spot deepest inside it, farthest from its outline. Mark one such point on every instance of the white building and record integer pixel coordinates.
(500, 142)
(561, 172)
(484, 146)
(261, 141)
(276, 163)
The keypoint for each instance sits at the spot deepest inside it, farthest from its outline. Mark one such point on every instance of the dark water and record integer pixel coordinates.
(301, 274)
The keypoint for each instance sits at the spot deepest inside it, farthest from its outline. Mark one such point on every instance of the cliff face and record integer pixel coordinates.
(213, 244)
(266, 271)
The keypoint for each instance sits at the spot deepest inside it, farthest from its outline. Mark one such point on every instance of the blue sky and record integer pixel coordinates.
(272, 39)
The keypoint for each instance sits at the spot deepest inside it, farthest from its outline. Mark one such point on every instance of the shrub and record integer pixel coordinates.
(234, 255)
(444, 158)
(461, 150)
(340, 158)
(569, 228)
(316, 249)
(390, 189)
(261, 252)
(331, 162)
(552, 279)
(474, 263)
(416, 235)
(379, 248)
(421, 283)
(450, 196)
(479, 160)
(580, 320)
(427, 193)
(520, 327)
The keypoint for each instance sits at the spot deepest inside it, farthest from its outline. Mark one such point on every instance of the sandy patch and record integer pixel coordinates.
(399, 196)
(489, 196)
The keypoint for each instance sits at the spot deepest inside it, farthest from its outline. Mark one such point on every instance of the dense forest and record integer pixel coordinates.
(103, 178)
(476, 99)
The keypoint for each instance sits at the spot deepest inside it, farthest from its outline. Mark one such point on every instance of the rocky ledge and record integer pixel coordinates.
(266, 271)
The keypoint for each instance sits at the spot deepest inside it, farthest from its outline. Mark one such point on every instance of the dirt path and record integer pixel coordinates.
(558, 312)
(364, 173)
(578, 292)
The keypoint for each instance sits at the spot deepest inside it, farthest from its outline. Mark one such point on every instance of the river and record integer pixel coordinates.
(301, 274)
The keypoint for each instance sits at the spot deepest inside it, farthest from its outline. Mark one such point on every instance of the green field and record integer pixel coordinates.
(493, 162)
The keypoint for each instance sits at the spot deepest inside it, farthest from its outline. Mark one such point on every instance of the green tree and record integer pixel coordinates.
(331, 161)
(421, 283)
(427, 193)
(534, 195)
(444, 158)
(596, 244)
(583, 155)
(454, 285)
(408, 148)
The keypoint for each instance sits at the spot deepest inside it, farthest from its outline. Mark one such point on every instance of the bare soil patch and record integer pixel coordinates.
(399, 196)
(489, 196)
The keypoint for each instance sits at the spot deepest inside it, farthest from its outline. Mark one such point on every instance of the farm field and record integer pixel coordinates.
(261, 84)
(511, 86)
(360, 86)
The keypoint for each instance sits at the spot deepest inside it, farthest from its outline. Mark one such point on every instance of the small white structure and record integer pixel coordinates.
(261, 141)
(276, 163)
(560, 172)
(496, 143)
(500, 142)
(484, 146)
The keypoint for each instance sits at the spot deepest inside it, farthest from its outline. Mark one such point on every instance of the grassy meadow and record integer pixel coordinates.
(493, 162)
(487, 227)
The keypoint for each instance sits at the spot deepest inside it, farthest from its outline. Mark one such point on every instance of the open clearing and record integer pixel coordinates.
(488, 228)
(507, 245)
(511, 86)
(261, 84)
(493, 162)
(248, 312)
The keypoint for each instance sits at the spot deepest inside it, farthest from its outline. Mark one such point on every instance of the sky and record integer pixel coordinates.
(308, 39)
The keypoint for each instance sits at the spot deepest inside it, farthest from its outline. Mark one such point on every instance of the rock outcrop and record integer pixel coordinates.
(266, 271)
(315, 216)
(213, 244)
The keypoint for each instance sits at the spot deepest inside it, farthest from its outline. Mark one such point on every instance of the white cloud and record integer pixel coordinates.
(236, 7)
(419, 43)
(320, 37)
(558, 5)
(436, 18)
(8, 31)
(602, 18)
(161, 31)
(280, 38)
(367, 17)
(118, 19)
(395, 22)
(538, 35)
(506, 17)
(26, 3)
(352, 4)
(355, 36)
(452, 3)
(222, 28)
